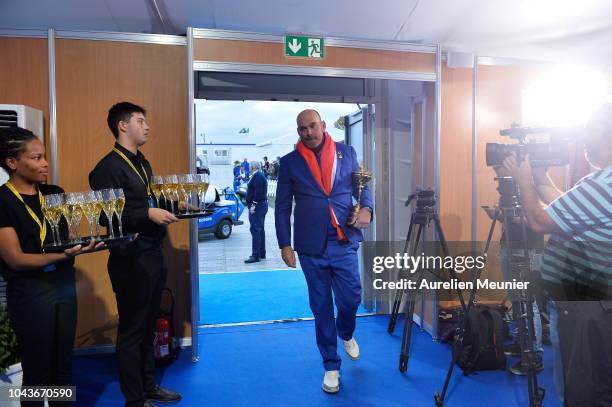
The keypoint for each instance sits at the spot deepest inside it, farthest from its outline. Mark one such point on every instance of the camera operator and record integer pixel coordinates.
(577, 266)
(535, 244)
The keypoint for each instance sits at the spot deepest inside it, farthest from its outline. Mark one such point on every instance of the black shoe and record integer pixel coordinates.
(162, 395)
(252, 260)
(519, 369)
(512, 349)
(262, 257)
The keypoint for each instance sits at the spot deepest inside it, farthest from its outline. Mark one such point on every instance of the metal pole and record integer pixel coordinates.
(193, 225)
(52, 104)
(437, 138)
(474, 151)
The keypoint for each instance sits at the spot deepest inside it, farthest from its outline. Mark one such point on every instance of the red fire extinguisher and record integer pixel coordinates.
(163, 342)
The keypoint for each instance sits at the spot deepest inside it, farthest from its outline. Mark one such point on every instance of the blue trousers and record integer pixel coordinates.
(258, 231)
(336, 270)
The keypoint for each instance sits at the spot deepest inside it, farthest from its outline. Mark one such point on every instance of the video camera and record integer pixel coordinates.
(549, 154)
(425, 198)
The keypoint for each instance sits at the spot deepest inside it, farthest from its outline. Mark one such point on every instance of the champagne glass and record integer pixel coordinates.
(60, 201)
(187, 186)
(157, 183)
(175, 187)
(72, 211)
(201, 183)
(108, 206)
(89, 209)
(56, 215)
(178, 193)
(51, 210)
(67, 215)
(97, 211)
(166, 191)
(77, 199)
(170, 189)
(119, 205)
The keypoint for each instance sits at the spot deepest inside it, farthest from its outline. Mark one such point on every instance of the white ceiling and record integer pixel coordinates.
(559, 30)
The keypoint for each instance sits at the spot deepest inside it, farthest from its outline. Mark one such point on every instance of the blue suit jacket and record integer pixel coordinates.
(312, 217)
(257, 189)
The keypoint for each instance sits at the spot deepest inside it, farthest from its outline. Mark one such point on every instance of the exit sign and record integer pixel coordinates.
(304, 47)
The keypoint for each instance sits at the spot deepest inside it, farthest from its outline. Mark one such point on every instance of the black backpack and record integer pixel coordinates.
(482, 345)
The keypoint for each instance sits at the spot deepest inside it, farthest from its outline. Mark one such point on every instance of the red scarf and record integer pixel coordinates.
(324, 174)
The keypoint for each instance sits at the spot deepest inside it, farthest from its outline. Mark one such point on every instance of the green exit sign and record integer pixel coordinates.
(304, 46)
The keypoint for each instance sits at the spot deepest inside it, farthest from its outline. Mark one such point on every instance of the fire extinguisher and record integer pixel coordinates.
(163, 342)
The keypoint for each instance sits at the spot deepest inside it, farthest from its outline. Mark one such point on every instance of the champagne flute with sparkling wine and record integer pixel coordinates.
(118, 207)
(73, 212)
(170, 189)
(52, 211)
(201, 184)
(97, 211)
(187, 186)
(108, 206)
(157, 183)
(89, 209)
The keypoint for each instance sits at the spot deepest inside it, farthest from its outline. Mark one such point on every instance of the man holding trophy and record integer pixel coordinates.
(324, 179)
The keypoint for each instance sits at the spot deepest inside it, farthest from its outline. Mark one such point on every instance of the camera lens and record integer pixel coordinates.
(495, 154)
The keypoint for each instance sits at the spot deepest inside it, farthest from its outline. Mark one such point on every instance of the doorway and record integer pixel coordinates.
(244, 131)
(382, 113)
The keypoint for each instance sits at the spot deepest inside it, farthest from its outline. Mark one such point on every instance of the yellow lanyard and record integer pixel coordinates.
(41, 225)
(127, 160)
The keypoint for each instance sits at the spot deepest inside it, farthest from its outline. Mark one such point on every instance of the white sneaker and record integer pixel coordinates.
(331, 381)
(351, 348)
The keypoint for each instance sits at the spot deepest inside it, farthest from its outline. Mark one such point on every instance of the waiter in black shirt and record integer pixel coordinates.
(137, 271)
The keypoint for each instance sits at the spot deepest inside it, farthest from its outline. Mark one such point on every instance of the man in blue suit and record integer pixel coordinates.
(318, 176)
(257, 202)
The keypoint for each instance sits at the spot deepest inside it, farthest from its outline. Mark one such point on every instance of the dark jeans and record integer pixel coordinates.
(258, 232)
(138, 280)
(43, 314)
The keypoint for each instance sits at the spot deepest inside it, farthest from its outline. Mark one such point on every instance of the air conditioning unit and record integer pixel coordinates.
(22, 116)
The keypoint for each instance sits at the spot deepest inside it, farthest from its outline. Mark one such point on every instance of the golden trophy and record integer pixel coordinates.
(361, 177)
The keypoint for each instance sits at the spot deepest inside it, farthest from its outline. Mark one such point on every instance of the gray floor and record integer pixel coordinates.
(228, 255)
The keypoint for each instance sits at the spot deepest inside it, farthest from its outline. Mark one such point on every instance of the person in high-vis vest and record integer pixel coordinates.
(318, 176)
(137, 270)
(41, 293)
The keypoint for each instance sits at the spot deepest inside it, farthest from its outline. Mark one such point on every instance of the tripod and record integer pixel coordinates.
(509, 208)
(422, 216)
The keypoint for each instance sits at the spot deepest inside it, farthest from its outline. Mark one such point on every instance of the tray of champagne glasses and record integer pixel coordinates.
(195, 214)
(177, 192)
(108, 242)
(71, 207)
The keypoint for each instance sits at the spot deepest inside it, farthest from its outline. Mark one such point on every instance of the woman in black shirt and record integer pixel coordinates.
(41, 292)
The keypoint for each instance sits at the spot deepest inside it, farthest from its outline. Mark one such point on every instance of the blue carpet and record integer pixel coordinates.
(279, 365)
(254, 296)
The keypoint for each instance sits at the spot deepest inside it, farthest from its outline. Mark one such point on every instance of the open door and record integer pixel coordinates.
(358, 128)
